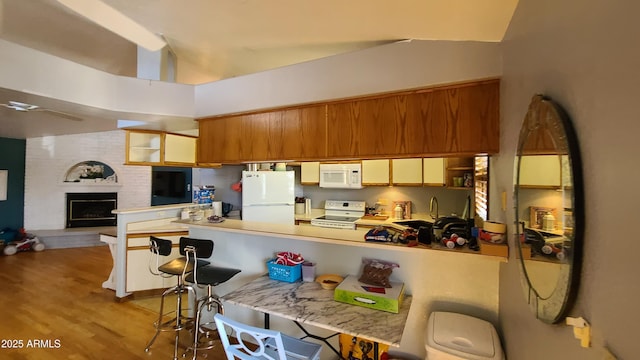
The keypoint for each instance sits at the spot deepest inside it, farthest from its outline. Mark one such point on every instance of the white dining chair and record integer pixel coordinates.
(257, 343)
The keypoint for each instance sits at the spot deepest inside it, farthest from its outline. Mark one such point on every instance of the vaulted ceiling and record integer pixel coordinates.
(218, 39)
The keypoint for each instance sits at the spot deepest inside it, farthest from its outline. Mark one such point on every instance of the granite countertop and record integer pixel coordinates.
(309, 303)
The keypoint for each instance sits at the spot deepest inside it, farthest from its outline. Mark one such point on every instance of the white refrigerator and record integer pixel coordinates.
(268, 196)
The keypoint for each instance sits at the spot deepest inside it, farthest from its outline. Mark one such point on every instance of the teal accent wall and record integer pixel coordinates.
(12, 158)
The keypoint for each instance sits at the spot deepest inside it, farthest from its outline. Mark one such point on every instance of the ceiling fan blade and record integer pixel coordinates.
(116, 22)
(18, 106)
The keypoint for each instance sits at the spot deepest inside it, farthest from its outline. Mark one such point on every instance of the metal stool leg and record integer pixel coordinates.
(158, 324)
(209, 300)
(178, 323)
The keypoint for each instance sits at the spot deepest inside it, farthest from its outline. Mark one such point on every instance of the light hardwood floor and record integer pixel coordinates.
(55, 298)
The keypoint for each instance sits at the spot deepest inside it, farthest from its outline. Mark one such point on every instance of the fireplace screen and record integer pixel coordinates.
(91, 209)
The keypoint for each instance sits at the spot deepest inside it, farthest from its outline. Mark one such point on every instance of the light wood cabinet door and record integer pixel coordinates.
(433, 172)
(375, 172)
(407, 172)
(310, 173)
(542, 171)
(179, 149)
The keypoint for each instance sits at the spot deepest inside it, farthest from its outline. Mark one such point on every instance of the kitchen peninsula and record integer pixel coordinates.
(437, 280)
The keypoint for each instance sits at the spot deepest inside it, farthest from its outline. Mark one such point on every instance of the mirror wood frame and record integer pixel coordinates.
(548, 130)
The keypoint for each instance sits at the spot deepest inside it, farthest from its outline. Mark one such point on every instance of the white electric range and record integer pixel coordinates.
(340, 214)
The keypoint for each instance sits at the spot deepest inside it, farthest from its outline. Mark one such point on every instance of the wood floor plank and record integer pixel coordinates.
(54, 303)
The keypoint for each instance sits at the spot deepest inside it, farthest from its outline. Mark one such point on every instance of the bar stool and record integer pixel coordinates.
(211, 276)
(192, 250)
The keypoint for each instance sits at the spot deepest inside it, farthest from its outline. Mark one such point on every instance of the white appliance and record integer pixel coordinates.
(340, 214)
(268, 196)
(341, 176)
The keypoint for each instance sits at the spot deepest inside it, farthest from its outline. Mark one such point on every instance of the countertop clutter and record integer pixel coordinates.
(346, 237)
(445, 233)
(366, 220)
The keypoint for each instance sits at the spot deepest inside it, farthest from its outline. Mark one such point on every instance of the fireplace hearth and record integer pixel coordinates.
(91, 209)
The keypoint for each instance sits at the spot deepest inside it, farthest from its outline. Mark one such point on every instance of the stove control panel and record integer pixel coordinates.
(344, 205)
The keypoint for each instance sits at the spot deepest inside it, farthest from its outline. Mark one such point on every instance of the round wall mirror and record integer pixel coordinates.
(549, 206)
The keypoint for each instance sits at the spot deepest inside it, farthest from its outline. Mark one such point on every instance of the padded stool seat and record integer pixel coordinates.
(180, 265)
(211, 276)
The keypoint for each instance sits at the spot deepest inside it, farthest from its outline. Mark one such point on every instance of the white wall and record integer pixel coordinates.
(49, 158)
(34, 72)
(584, 55)
(396, 66)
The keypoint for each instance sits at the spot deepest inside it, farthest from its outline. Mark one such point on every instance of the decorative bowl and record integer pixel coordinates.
(329, 281)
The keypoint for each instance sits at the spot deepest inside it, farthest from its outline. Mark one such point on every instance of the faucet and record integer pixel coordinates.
(433, 200)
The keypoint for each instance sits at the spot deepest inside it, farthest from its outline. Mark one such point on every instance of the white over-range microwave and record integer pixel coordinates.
(341, 176)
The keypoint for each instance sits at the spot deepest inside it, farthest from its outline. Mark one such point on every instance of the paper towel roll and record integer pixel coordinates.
(307, 206)
(217, 208)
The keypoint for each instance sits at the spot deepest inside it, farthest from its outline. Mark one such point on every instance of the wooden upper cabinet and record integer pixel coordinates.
(461, 119)
(478, 127)
(220, 140)
(368, 127)
(304, 133)
(287, 134)
(449, 120)
(439, 121)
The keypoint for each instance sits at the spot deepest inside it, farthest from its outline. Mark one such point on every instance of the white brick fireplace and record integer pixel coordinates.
(49, 158)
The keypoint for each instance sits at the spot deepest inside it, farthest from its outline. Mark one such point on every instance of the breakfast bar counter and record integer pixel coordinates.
(432, 277)
(308, 303)
(344, 237)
